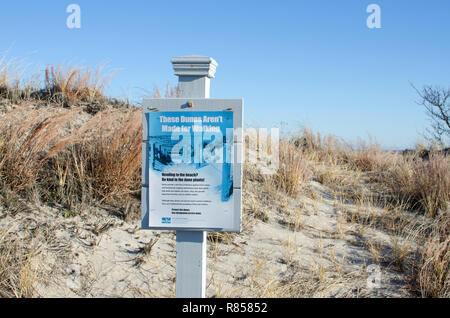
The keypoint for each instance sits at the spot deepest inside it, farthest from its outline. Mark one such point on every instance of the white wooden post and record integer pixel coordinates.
(194, 74)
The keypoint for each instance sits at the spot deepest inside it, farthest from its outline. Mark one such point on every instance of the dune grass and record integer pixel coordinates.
(17, 273)
(74, 152)
(434, 272)
(101, 161)
(418, 184)
(75, 84)
(61, 85)
(294, 171)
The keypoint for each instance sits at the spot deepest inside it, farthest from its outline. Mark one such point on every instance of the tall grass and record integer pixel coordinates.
(420, 184)
(294, 172)
(434, 274)
(65, 160)
(72, 157)
(14, 87)
(102, 163)
(25, 136)
(17, 274)
(60, 85)
(406, 180)
(75, 84)
(66, 155)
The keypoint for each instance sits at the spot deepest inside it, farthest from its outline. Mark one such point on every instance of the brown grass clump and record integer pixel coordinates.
(13, 86)
(421, 184)
(368, 157)
(16, 271)
(102, 160)
(89, 153)
(5, 84)
(407, 181)
(25, 136)
(65, 160)
(62, 85)
(434, 274)
(74, 84)
(294, 172)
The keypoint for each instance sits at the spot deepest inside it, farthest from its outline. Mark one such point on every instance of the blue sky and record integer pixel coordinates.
(311, 63)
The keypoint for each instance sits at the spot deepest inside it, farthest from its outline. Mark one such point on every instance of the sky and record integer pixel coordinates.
(296, 63)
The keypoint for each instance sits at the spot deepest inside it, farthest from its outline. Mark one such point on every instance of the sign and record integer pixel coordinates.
(192, 164)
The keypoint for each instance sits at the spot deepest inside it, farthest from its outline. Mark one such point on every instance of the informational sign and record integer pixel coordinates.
(193, 170)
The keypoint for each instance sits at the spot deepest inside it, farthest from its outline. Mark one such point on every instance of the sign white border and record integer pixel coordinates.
(198, 105)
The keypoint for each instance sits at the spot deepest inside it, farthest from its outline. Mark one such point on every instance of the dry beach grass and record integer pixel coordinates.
(70, 161)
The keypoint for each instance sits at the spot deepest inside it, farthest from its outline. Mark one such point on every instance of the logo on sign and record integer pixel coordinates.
(166, 220)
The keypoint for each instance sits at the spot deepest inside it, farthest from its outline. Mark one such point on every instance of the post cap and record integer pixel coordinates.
(194, 65)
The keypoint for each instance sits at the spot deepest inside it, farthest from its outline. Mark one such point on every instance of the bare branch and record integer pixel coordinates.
(436, 101)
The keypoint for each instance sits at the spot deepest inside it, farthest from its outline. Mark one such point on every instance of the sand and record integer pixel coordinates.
(303, 248)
